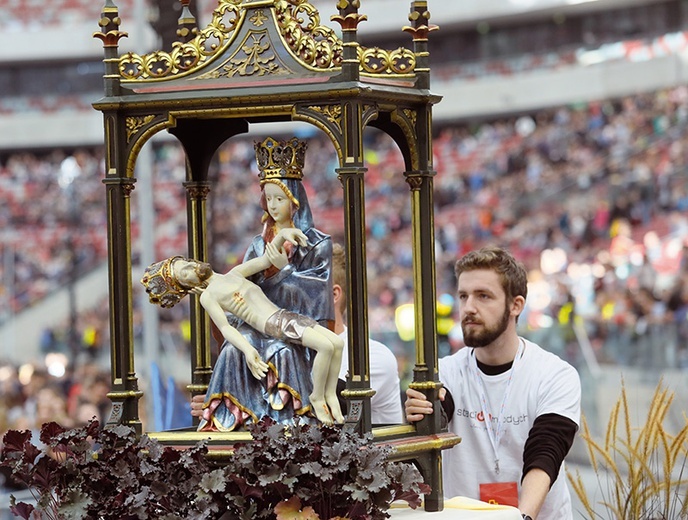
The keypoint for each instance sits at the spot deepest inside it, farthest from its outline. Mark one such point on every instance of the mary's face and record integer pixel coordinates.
(278, 204)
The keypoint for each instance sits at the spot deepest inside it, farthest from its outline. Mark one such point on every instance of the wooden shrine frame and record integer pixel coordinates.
(265, 61)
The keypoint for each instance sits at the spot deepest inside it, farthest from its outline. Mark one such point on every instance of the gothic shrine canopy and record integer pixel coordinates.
(274, 54)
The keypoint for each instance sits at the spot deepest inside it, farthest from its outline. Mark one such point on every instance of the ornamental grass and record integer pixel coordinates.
(641, 471)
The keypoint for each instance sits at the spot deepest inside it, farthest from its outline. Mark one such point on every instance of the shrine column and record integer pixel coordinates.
(119, 183)
(425, 372)
(201, 139)
(201, 369)
(351, 175)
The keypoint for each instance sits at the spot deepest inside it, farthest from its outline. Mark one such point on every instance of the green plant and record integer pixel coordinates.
(297, 471)
(641, 471)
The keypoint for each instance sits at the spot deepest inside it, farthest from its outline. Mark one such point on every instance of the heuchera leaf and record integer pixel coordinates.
(358, 494)
(21, 509)
(49, 431)
(291, 510)
(313, 468)
(43, 472)
(15, 440)
(75, 506)
(214, 481)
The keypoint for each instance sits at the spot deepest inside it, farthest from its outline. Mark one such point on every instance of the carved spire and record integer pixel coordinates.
(110, 35)
(109, 24)
(420, 18)
(420, 28)
(187, 28)
(349, 19)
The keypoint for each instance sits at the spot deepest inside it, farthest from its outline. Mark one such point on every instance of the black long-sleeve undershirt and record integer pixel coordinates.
(548, 443)
(549, 439)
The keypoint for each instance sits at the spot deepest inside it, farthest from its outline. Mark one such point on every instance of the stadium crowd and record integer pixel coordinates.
(592, 198)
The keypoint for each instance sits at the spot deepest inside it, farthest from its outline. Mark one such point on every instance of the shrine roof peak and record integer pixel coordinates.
(261, 41)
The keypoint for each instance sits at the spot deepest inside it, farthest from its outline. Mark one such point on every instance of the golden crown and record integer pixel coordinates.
(161, 285)
(280, 159)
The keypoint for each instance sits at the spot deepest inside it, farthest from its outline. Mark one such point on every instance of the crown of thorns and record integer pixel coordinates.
(161, 285)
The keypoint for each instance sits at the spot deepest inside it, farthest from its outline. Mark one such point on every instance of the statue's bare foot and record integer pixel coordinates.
(335, 409)
(322, 412)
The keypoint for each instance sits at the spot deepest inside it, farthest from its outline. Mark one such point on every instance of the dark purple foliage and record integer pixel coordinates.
(109, 474)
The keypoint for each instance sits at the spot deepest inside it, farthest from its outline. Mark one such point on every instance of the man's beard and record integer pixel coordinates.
(486, 336)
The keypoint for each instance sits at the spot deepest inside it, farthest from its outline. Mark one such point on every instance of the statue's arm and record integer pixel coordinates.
(273, 256)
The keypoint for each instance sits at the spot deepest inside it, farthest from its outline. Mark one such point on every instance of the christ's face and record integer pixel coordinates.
(484, 312)
(190, 273)
(278, 204)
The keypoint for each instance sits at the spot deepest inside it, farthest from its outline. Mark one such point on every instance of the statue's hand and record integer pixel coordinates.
(293, 235)
(256, 365)
(277, 257)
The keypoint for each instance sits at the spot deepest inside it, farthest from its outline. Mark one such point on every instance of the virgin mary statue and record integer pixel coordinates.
(304, 285)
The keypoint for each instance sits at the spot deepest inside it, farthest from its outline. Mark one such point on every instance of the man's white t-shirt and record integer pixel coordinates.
(541, 383)
(385, 405)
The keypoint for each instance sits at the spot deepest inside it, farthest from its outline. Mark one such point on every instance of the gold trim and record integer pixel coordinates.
(380, 61)
(248, 4)
(333, 113)
(426, 385)
(141, 140)
(397, 430)
(182, 437)
(357, 394)
(435, 442)
(315, 46)
(127, 394)
(135, 123)
(259, 59)
(188, 57)
(197, 388)
(335, 139)
(406, 119)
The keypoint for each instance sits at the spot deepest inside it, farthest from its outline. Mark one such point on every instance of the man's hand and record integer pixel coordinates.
(293, 235)
(277, 257)
(197, 405)
(417, 406)
(256, 365)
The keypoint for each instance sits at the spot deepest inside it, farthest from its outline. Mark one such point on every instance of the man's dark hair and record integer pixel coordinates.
(512, 273)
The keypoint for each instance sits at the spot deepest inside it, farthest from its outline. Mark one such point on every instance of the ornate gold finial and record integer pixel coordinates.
(161, 285)
(420, 18)
(348, 16)
(280, 159)
(109, 23)
(186, 24)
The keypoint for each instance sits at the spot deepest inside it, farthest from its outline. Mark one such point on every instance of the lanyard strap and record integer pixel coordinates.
(495, 432)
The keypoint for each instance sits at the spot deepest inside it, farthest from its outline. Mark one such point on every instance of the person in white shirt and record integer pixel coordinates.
(385, 405)
(515, 406)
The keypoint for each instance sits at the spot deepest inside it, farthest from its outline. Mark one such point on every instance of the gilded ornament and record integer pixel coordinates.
(411, 115)
(380, 61)
(258, 58)
(134, 124)
(258, 19)
(184, 57)
(414, 182)
(333, 113)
